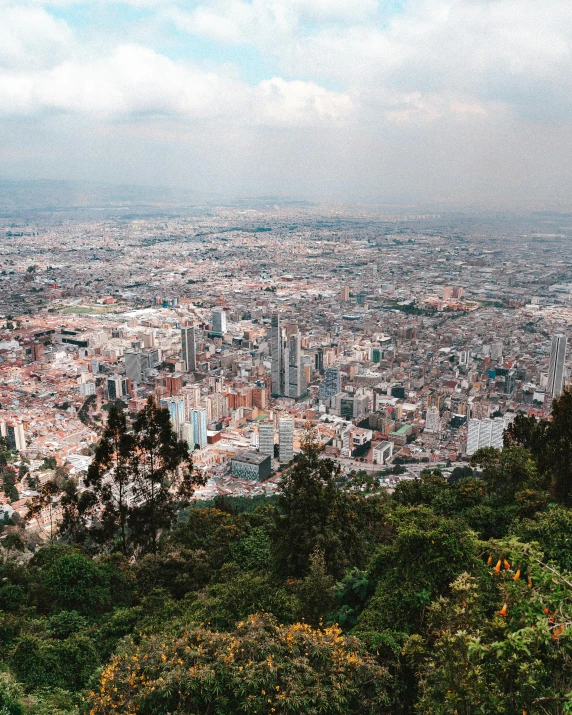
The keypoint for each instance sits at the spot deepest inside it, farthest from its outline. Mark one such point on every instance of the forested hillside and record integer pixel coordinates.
(447, 597)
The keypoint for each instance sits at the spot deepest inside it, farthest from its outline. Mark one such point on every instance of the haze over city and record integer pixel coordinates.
(465, 102)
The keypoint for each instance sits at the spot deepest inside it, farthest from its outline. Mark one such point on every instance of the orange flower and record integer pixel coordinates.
(497, 567)
(516, 576)
(490, 560)
(506, 564)
(503, 610)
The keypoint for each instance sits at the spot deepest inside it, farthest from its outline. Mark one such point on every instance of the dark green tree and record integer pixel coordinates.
(555, 460)
(43, 508)
(308, 509)
(163, 477)
(110, 476)
(9, 476)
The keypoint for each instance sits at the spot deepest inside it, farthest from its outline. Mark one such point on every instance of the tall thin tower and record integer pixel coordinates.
(276, 353)
(189, 348)
(556, 366)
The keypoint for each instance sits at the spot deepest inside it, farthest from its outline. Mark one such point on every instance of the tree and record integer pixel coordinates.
(45, 504)
(8, 483)
(555, 460)
(308, 507)
(512, 658)
(111, 478)
(505, 472)
(162, 472)
(261, 667)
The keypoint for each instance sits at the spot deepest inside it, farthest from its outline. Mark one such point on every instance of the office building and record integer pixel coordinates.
(218, 321)
(496, 351)
(252, 466)
(13, 432)
(485, 433)
(556, 366)
(189, 348)
(266, 438)
(331, 384)
(276, 355)
(319, 361)
(86, 389)
(287, 372)
(382, 452)
(350, 406)
(433, 420)
(117, 387)
(188, 435)
(136, 363)
(198, 418)
(176, 407)
(285, 439)
(510, 382)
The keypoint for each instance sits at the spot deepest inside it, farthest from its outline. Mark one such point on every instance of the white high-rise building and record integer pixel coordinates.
(13, 431)
(556, 367)
(485, 433)
(176, 407)
(266, 438)
(433, 420)
(188, 435)
(286, 439)
(198, 418)
(496, 351)
(189, 348)
(219, 321)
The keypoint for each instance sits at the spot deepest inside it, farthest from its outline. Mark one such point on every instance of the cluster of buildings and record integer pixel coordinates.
(398, 339)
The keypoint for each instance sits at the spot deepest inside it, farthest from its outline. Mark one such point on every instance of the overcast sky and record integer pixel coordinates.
(429, 100)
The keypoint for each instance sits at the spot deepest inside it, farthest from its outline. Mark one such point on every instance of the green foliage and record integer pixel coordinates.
(11, 696)
(552, 531)
(67, 663)
(261, 667)
(449, 595)
(427, 555)
(76, 583)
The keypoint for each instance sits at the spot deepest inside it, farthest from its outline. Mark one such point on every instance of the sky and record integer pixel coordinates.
(456, 101)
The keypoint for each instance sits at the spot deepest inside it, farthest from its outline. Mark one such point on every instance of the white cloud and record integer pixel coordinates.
(30, 37)
(138, 81)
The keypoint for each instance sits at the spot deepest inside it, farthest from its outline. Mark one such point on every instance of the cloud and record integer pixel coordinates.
(347, 93)
(136, 81)
(32, 38)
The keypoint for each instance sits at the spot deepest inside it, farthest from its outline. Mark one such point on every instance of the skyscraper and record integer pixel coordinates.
(189, 348)
(219, 321)
(432, 420)
(176, 407)
(266, 438)
(276, 354)
(286, 439)
(198, 418)
(295, 383)
(288, 375)
(485, 433)
(188, 435)
(331, 384)
(556, 366)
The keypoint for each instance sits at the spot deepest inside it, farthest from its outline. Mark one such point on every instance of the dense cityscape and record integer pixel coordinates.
(403, 339)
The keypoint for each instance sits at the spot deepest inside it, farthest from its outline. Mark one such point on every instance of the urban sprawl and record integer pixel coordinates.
(404, 340)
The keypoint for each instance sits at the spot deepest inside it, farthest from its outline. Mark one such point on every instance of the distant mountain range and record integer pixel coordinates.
(16, 196)
(44, 196)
